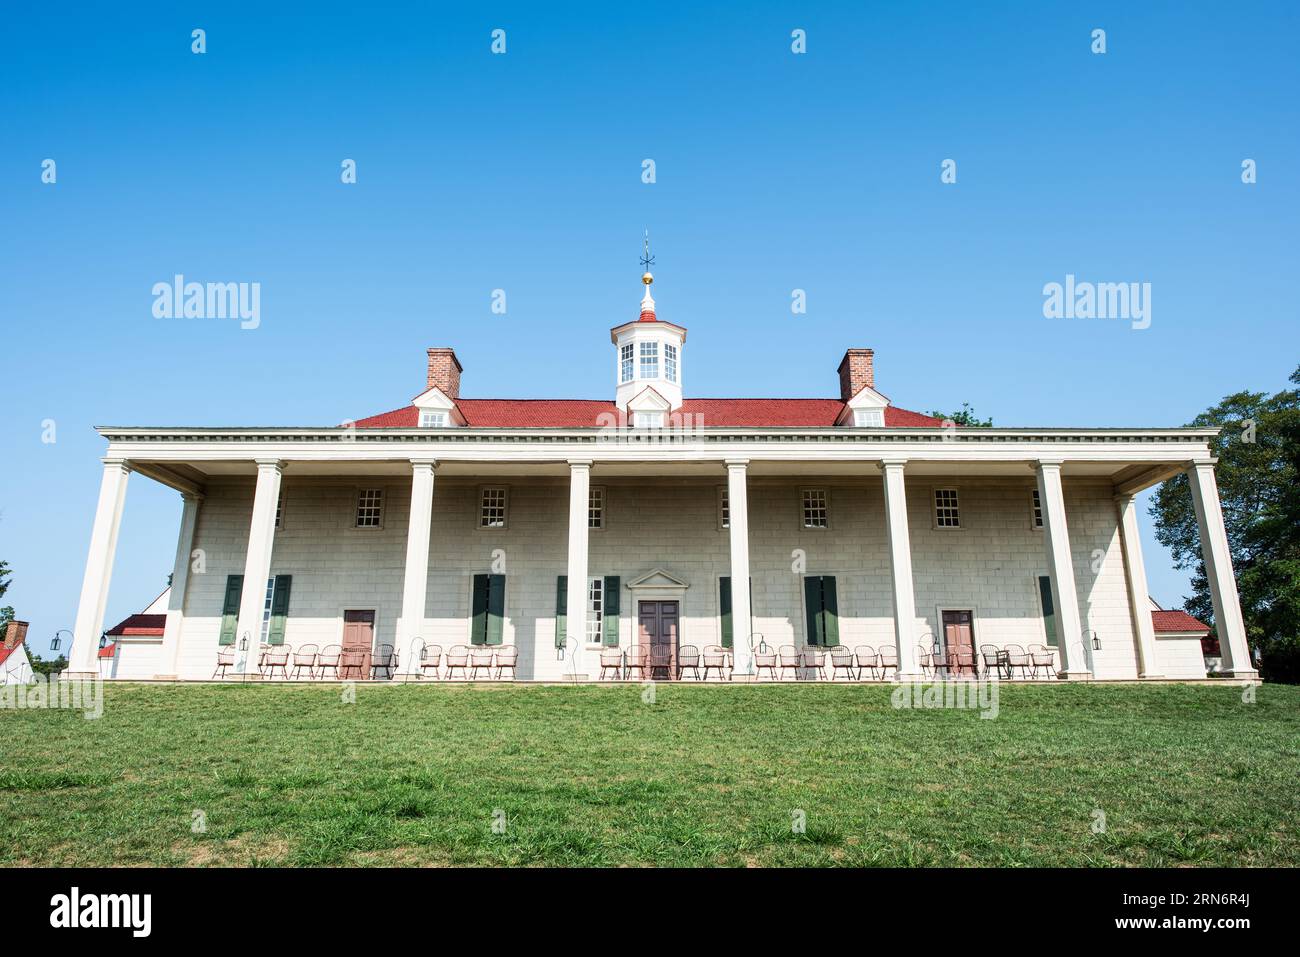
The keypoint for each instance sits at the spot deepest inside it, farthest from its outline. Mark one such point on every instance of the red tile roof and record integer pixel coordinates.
(1168, 621)
(140, 626)
(591, 413)
(6, 652)
(108, 650)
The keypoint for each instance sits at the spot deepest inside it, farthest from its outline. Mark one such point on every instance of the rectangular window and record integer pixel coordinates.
(487, 610)
(492, 508)
(869, 417)
(370, 508)
(266, 608)
(1049, 610)
(815, 511)
(625, 354)
(596, 507)
(595, 610)
(724, 507)
(649, 360)
(432, 420)
(822, 609)
(279, 510)
(1038, 510)
(648, 420)
(670, 362)
(945, 508)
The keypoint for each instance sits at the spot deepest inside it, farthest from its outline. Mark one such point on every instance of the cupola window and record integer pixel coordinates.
(670, 362)
(625, 363)
(649, 360)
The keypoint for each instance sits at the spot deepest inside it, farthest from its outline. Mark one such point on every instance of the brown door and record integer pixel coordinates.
(358, 640)
(959, 642)
(658, 632)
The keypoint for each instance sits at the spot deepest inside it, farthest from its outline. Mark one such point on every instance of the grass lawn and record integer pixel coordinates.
(589, 775)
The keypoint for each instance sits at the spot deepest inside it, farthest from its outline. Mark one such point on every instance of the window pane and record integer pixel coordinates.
(670, 362)
(596, 508)
(492, 509)
(595, 609)
(945, 508)
(649, 360)
(815, 512)
(370, 505)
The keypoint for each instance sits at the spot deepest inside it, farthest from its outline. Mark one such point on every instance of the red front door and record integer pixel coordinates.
(658, 633)
(959, 642)
(358, 640)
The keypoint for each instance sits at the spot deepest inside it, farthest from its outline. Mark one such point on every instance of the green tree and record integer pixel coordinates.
(1259, 463)
(47, 668)
(6, 613)
(965, 417)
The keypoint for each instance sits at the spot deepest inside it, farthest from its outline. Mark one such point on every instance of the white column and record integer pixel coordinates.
(415, 586)
(257, 566)
(742, 649)
(84, 655)
(169, 660)
(576, 605)
(1144, 630)
(1071, 645)
(1228, 624)
(900, 569)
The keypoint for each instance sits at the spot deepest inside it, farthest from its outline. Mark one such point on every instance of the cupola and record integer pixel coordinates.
(648, 362)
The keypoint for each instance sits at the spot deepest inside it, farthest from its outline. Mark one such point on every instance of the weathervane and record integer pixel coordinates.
(647, 260)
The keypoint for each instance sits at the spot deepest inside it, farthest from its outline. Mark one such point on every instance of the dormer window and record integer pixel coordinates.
(431, 419)
(625, 363)
(670, 362)
(648, 420)
(649, 360)
(871, 418)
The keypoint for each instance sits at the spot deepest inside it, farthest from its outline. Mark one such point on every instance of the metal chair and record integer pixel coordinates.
(304, 657)
(1017, 657)
(225, 660)
(277, 656)
(814, 659)
(385, 660)
(458, 657)
(611, 659)
(992, 657)
(841, 660)
(715, 657)
(790, 659)
(688, 656)
(329, 659)
(960, 661)
(765, 659)
(430, 660)
(868, 660)
(353, 662)
(480, 658)
(660, 662)
(635, 660)
(1040, 656)
(507, 657)
(888, 659)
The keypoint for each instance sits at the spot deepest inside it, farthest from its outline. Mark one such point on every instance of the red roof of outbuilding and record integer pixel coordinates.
(140, 626)
(1168, 621)
(108, 650)
(6, 652)
(592, 413)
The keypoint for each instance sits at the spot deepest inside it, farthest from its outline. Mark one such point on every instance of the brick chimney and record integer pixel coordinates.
(444, 371)
(15, 632)
(856, 371)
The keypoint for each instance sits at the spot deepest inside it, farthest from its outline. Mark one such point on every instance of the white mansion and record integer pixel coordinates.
(751, 524)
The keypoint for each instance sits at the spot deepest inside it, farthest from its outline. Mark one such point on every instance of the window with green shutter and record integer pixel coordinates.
(561, 608)
(279, 610)
(609, 612)
(1049, 610)
(487, 610)
(821, 606)
(230, 609)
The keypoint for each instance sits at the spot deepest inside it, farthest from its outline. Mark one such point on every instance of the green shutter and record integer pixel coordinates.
(1049, 610)
(812, 600)
(830, 613)
(279, 609)
(496, 608)
(479, 611)
(724, 609)
(230, 609)
(610, 611)
(561, 608)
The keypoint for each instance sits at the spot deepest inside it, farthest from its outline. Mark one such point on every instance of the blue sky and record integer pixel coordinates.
(522, 172)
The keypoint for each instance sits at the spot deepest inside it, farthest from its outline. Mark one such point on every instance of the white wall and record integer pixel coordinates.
(989, 565)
